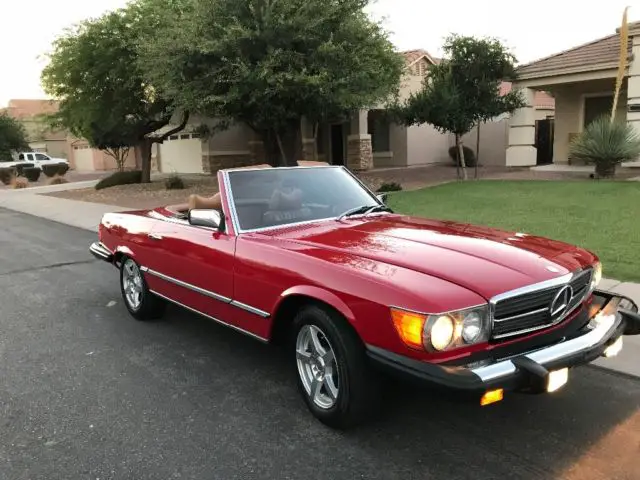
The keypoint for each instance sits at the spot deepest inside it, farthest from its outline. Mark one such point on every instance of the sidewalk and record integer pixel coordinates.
(87, 216)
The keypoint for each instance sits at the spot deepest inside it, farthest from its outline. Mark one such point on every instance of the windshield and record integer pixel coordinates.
(279, 196)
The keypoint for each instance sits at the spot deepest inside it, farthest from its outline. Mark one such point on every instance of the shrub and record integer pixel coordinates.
(50, 170)
(57, 180)
(62, 168)
(21, 166)
(469, 156)
(606, 144)
(32, 173)
(390, 187)
(19, 182)
(174, 182)
(120, 178)
(7, 174)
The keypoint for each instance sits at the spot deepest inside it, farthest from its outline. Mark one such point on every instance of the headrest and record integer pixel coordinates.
(213, 203)
(286, 199)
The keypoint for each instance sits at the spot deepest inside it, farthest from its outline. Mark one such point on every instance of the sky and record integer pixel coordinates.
(531, 29)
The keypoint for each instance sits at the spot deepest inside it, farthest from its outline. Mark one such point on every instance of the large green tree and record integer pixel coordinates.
(464, 89)
(104, 96)
(13, 136)
(268, 63)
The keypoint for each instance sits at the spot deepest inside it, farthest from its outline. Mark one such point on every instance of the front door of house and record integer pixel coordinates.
(337, 144)
(544, 141)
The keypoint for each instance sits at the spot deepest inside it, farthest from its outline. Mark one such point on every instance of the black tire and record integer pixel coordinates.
(150, 306)
(358, 392)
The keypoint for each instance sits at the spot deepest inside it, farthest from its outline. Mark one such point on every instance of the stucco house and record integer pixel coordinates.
(41, 138)
(582, 81)
(366, 141)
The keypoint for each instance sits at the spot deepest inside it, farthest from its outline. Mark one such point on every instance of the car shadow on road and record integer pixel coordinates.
(584, 431)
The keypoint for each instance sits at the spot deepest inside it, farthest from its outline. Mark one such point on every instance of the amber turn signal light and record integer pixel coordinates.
(409, 326)
(492, 396)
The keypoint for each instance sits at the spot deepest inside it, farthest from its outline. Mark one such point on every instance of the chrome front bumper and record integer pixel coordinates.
(607, 319)
(98, 250)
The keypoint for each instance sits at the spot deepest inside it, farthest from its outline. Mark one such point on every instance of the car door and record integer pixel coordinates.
(42, 159)
(193, 266)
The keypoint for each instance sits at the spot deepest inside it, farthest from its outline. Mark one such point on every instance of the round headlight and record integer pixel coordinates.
(471, 327)
(441, 332)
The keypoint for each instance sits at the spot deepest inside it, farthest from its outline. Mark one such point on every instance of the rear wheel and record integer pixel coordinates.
(332, 372)
(141, 303)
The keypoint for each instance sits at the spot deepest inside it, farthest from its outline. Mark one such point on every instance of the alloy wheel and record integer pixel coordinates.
(317, 366)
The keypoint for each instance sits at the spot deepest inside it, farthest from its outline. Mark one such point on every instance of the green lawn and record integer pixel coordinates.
(603, 217)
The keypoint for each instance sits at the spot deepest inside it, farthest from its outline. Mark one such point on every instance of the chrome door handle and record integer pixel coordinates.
(154, 236)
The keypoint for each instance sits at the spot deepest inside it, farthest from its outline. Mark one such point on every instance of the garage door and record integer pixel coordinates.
(83, 157)
(181, 154)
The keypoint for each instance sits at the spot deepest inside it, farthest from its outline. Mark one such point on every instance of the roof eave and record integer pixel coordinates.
(556, 72)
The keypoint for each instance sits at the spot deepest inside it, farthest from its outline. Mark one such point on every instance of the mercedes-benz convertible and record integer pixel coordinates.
(310, 258)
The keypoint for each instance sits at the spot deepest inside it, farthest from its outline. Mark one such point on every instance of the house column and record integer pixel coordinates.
(522, 134)
(633, 87)
(359, 153)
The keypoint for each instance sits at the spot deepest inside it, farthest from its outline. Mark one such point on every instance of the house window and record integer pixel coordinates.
(595, 107)
(173, 137)
(184, 136)
(379, 129)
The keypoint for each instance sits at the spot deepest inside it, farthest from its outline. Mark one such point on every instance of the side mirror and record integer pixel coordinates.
(382, 197)
(206, 218)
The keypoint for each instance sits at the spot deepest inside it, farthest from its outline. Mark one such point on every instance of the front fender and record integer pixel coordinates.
(320, 294)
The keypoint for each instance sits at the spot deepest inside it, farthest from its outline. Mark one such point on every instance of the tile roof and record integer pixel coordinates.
(540, 100)
(601, 53)
(412, 56)
(21, 108)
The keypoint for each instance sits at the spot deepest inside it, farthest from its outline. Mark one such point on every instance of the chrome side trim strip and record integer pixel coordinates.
(601, 325)
(207, 293)
(250, 309)
(186, 285)
(241, 330)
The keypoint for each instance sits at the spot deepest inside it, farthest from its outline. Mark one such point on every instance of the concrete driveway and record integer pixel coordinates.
(86, 393)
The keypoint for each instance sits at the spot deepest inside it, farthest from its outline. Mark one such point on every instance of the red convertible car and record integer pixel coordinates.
(309, 257)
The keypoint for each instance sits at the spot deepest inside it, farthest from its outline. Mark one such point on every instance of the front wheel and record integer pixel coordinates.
(141, 303)
(332, 372)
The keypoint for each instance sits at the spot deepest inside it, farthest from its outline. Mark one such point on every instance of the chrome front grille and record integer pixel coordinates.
(530, 308)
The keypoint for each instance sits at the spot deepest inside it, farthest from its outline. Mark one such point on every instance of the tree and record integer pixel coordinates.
(463, 89)
(13, 136)
(269, 63)
(104, 96)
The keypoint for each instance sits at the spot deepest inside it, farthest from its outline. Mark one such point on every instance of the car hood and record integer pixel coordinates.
(485, 260)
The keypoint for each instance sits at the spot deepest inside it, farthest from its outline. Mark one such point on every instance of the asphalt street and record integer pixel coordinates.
(86, 392)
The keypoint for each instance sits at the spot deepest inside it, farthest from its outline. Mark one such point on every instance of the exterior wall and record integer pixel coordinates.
(57, 148)
(397, 156)
(633, 118)
(425, 145)
(569, 112)
(494, 138)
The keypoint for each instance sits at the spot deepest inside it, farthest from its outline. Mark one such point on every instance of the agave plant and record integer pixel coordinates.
(606, 144)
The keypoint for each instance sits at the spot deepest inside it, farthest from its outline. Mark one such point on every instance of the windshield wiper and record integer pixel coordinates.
(364, 209)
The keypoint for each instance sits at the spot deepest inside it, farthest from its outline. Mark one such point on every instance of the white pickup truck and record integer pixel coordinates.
(37, 158)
